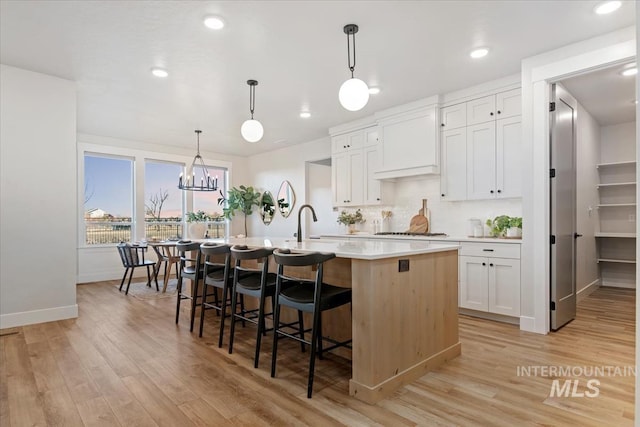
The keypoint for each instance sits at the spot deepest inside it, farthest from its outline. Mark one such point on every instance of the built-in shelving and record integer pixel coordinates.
(620, 261)
(615, 205)
(615, 184)
(603, 165)
(616, 235)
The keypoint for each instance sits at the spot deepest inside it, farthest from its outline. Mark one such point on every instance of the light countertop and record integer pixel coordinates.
(357, 249)
(451, 239)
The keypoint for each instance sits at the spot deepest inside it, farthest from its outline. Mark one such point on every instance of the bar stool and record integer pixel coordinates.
(190, 268)
(311, 296)
(217, 275)
(257, 283)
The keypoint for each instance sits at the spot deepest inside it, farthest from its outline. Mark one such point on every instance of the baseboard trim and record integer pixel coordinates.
(23, 318)
(588, 290)
(618, 284)
(115, 274)
(528, 324)
(490, 316)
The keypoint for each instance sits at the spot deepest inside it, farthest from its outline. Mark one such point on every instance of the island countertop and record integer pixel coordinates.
(354, 249)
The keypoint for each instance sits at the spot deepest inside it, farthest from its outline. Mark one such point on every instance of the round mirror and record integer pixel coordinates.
(267, 207)
(286, 198)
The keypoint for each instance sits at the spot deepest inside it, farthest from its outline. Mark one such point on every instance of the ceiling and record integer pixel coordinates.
(295, 49)
(606, 94)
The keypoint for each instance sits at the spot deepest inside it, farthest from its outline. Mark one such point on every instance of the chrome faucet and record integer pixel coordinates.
(315, 219)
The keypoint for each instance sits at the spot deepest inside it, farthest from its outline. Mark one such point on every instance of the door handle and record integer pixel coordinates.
(576, 235)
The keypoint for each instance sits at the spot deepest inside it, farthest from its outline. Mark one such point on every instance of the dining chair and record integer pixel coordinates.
(167, 254)
(132, 256)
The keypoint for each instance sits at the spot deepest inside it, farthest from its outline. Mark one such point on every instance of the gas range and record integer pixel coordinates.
(407, 233)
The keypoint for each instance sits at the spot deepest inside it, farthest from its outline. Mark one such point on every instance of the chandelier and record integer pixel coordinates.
(191, 182)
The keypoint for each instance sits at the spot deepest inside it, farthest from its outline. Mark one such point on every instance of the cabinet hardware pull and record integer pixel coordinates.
(487, 250)
(491, 265)
(378, 198)
(442, 195)
(499, 111)
(491, 113)
(484, 263)
(491, 191)
(499, 191)
(442, 124)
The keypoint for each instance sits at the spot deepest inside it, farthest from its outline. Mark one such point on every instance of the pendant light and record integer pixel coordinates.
(354, 93)
(191, 181)
(251, 129)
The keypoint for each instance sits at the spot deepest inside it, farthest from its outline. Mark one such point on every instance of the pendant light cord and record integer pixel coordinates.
(351, 67)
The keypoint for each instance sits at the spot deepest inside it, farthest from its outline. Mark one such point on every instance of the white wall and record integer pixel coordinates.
(38, 190)
(266, 171)
(618, 143)
(102, 262)
(587, 156)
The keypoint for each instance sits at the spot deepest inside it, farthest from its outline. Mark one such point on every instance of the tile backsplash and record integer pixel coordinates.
(446, 217)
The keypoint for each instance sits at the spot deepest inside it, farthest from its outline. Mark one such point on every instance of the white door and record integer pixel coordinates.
(371, 185)
(504, 286)
(474, 282)
(453, 177)
(341, 182)
(509, 157)
(453, 117)
(481, 161)
(481, 110)
(356, 178)
(508, 104)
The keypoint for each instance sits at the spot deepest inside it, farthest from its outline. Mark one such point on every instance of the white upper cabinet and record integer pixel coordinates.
(481, 161)
(453, 117)
(348, 178)
(509, 157)
(347, 142)
(481, 110)
(453, 178)
(508, 104)
(372, 186)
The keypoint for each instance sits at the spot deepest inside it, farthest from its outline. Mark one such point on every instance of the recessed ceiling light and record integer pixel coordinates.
(305, 114)
(607, 7)
(479, 52)
(214, 22)
(374, 90)
(630, 72)
(159, 72)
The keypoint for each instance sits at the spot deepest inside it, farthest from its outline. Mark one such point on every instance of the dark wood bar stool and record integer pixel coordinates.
(190, 268)
(311, 296)
(217, 274)
(253, 282)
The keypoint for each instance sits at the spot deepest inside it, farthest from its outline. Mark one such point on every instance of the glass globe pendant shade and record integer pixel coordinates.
(252, 130)
(353, 94)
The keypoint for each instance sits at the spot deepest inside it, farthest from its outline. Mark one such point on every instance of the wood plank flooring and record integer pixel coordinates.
(124, 362)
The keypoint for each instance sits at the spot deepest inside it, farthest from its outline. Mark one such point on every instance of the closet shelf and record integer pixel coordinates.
(613, 164)
(620, 261)
(616, 184)
(616, 205)
(620, 235)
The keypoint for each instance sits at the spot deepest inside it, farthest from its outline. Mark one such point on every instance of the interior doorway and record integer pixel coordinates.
(319, 195)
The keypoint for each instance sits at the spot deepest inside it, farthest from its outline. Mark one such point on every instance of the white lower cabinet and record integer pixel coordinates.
(487, 283)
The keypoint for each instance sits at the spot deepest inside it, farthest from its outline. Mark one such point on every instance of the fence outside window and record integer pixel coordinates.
(115, 230)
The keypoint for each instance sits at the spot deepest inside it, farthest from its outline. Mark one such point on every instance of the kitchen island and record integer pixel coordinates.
(404, 312)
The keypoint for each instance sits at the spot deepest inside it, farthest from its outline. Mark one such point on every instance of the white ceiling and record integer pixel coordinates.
(606, 94)
(295, 49)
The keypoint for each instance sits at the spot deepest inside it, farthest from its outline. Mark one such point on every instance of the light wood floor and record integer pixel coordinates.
(124, 362)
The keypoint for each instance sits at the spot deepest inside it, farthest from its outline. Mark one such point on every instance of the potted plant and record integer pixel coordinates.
(515, 227)
(197, 224)
(241, 199)
(350, 220)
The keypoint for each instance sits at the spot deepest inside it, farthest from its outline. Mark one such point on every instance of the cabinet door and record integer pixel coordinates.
(371, 159)
(509, 157)
(481, 161)
(474, 283)
(504, 286)
(453, 178)
(339, 144)
(356, 178)
(453, 117)
(341, 183)
(355, 140)
(481, 110)
(371, 137)
(508, 104)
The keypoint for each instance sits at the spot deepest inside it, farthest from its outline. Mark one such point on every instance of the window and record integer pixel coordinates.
(207, 201)
(108, 199)
(163, 201)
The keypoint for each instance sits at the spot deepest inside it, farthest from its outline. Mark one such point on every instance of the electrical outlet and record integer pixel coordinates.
(632, 217)
(403, 265)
